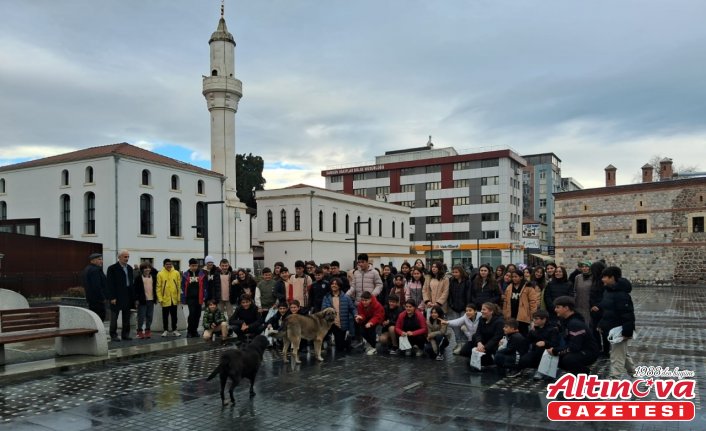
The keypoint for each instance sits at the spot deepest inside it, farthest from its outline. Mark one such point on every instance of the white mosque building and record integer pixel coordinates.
(125, 197)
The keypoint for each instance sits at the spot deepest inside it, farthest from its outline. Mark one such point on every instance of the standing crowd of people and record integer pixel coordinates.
(513, 315)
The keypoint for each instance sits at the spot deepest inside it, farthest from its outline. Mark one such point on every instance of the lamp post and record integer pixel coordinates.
(356, 226)
(204, 227)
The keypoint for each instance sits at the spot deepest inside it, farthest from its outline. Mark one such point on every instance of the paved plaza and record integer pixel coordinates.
(168, 389)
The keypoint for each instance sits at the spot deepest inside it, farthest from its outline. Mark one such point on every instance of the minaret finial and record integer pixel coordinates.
(222, 7)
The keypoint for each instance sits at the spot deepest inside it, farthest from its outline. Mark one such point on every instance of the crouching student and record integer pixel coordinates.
(514, 346)
(276, 323)
(214, 321)
(344, 325)
(542, 335)
(412, 325)
(388, 337)
(438, 335)
(468, 324)
(246, 319)
(370, 316)
(580, 349)
(489, 332)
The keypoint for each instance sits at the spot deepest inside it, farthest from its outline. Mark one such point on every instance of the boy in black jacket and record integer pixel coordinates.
(542, 336)
(388, 337)
(579, 348)
(515, 346)
(618, 311)
(246, 319)
(319, 288)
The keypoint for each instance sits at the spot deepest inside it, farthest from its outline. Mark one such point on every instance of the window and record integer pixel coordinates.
(200, 218)
(3, 210)
(542, 175)
(146, 177)
(493, 257)
(65, 201)
(433, 186)
(393, 228)
(175, 183)
(462, 218)
(490, 163)
(382, 190)
(462, 201)
(358, 177)
(269, 220)
(348, 224)
(146, 214)
(283, 219)
(490, 181)
(460, 184)
(432, 203)
(406, 188)
(321, 221)
(334, 221)
(64, 177)
(174, 216)
(90, 216)
(585, 229)
(2, 185)
(459, 166)
(461, 235)
(433, 169)
(490, 216)
(407, 171)
(200, 188)
(408, 204)
(491, 234)
(379, 227)
(542, 203)
(543, 218)
(697, 224)
(89, 175)
(490, 199)
(297, 220)
(412, 221)
(337, 179)
(382, 174)
(641, 226)
(370, 226)
(360, 192)
(433, 219)
(214, 72)
(402, 230)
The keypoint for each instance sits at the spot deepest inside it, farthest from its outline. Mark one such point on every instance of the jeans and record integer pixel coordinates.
(194, 316)
(166, 313)
(145, 313)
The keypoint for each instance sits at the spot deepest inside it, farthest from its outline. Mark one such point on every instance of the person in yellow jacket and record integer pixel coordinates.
(169, 295)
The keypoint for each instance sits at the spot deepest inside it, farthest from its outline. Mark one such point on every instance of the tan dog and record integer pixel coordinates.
(311, 327)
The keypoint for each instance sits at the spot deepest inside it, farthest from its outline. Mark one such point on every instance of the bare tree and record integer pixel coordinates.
(654, 162)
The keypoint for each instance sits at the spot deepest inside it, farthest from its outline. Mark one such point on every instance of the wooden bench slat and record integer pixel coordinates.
(12, 311)
(28, 327)
(29, 316)
(38, 319)
(42, 334)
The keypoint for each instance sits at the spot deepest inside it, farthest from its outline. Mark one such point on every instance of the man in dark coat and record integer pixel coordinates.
(121, 294)
(618, 312)
(94, 285)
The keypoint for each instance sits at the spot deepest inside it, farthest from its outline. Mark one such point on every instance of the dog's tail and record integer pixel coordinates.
(215, 372)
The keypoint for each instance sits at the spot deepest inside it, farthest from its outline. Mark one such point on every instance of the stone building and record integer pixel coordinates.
(653, 230)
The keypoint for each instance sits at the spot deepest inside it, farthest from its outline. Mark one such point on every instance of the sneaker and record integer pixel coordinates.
(537, 376)
(370, 351)
(440, 357)
(408, 352)
(457, 349)
(176, 334)
(148, 334)
(418, 352)
(394, 351)
(140, 335)
(165, 334)
(127, 338)
(514, 373)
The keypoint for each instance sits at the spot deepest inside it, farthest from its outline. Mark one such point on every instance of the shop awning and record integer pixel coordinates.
(543, 257)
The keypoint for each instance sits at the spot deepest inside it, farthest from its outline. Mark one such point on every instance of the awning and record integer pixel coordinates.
(543, 257)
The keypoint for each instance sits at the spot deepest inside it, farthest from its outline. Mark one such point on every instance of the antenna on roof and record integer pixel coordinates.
(429, 143)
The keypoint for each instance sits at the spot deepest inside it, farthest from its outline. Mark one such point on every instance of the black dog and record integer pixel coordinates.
(239, 364)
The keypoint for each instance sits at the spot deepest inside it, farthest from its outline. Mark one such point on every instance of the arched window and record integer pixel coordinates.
(90, 216)
(321, 221)
(402, 231)
(3, 210)
(146, 177)
(393, 228)
(214, 72)
(65, 177)
(370, 226)
(348, 224)
(200, 187)
(297, 219)
(89, 175)
(200, 218)
(283, 219)
(174, 217)
(334, 223)
(65, 202)
(269, 220)
(2, 185)
(380, 227)
(146, 214)
(175, 182)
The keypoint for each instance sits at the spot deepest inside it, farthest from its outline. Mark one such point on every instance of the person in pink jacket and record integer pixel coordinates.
(370, 315)
(412, 324)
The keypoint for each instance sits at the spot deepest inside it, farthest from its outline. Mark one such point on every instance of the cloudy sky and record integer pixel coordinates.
(330, 82)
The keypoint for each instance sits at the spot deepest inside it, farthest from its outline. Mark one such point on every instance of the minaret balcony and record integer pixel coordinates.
(222, 84)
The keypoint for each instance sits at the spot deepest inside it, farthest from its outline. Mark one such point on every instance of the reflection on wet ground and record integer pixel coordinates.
(168, 390)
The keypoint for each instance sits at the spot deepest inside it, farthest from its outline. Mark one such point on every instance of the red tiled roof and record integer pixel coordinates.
(122, 149)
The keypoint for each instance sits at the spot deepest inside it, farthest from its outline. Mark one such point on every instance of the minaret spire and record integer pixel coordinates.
(222, 8)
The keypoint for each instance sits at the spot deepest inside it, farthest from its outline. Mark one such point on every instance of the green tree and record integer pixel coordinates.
(248, 177)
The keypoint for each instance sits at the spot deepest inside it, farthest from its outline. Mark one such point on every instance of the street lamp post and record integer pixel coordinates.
(356, 226)
(204, 227)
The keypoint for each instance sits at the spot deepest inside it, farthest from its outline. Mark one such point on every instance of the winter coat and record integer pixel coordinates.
(548, 333)
(516, 345)
(437, 328)
(529, 300)
(242, 315)
(94, 284)
(481, 293)
(140, 288)
(617, 308)
(391, 315)
(266, 289)
(582, 294)
(555, 289)
(467, 325)
(436, 291)
(421, 324)
(489, 333)
(415, 290)
(576, 337)
(298, 288)
(215, 317)
(186, 281)
(168, 287)
(119, 287)
(346, 311)
(240, 287)
(365, 281)
(374, 313)
(459, 294)
(319, 289)
(213, 283)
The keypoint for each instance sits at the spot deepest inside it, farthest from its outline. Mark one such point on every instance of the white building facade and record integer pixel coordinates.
(309, 223)
(466, 208)
(121, 196)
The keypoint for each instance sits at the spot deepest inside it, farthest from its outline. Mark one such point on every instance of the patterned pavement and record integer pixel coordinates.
(168, 390)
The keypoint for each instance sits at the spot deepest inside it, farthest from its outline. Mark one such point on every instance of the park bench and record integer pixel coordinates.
(26, 324)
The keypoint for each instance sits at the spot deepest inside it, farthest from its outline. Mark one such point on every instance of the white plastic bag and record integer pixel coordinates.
(405, 344)
(270, 314)
(615, 335)
(548, 365)
(476, 359)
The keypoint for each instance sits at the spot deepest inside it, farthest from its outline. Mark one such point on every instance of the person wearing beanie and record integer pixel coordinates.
(582, 289)
(94, 284)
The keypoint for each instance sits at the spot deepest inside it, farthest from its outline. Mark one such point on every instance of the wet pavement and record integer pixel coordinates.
(167, 389)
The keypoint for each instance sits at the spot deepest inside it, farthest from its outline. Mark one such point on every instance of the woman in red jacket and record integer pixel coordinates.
(413, 325)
